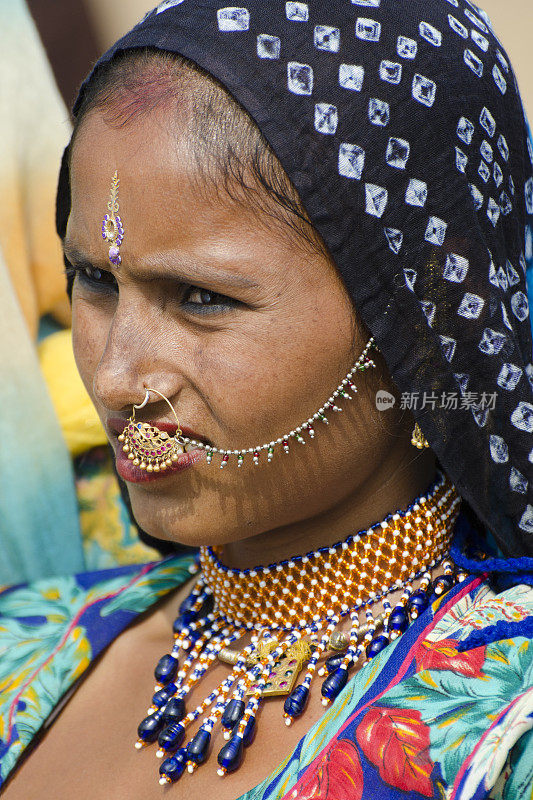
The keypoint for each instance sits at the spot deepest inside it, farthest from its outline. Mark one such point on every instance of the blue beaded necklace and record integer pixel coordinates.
(295, 632)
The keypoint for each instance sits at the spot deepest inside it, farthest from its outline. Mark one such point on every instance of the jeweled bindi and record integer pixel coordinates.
(112, 228)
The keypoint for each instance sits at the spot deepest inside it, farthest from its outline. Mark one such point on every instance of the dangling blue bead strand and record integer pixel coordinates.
(192, 639)
(173, 768)
(443, 584)
(230, 757)
(248, 733)
(334, 684)
(162, 696)
(296, 702)
(232, 713)
(179, 626)
(149, 728)
(376, 646)
(189, 603)
(209, 651)
(197, 749)
(418, 603)
(238, 695)
(170, 738)
(190, 609)
(333, 662)
(189, 616)
(190, 630)
(174, 710)
(166, 669)
(398, 620)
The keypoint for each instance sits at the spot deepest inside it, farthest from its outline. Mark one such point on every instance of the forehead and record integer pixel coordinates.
(177, 223)
(153, 163)
(165, 202)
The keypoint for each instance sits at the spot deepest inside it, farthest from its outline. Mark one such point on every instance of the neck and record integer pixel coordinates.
(390, 487)
(362, 569)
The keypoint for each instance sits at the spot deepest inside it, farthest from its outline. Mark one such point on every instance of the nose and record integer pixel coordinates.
(133, 360)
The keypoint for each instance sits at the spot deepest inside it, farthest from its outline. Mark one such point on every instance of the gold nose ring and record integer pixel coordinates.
(147, 446)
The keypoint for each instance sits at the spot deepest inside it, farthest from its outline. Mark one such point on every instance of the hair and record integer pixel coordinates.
(230, 151)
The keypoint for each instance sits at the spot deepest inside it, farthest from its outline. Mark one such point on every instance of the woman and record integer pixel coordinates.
(280, 189)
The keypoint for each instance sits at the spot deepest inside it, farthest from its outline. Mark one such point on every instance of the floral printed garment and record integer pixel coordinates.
(109, 537)
(422, 720)
(51, 631)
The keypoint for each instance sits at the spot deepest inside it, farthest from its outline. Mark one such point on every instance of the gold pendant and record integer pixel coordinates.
(261, 652)
(283, 675)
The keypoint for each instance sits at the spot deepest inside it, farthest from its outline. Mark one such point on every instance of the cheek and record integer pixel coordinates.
(89, 334)
(279, 373)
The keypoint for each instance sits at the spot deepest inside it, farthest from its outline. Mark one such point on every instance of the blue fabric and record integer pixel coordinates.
(39, 528)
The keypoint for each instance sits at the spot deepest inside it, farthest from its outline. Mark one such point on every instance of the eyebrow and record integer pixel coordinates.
(165, 268)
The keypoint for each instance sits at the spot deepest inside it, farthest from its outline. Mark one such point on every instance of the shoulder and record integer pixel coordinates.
(463, 695)
(52, 630)
(474, 672)
(430, 716)
(65, 598)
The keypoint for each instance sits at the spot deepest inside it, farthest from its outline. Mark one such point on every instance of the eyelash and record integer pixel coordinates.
(102, 281)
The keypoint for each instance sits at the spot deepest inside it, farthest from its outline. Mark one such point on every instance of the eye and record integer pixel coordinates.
(200, 300)
(94, 278)
(201, 296)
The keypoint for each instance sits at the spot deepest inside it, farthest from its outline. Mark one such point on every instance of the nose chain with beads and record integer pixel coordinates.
(155, 451)
(292, 612)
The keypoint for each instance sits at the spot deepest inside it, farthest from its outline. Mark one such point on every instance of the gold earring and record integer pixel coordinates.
(418, 439)
(148, 447)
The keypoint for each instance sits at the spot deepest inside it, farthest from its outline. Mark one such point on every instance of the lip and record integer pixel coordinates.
(117, 425)
(133, 474)
(129, 472)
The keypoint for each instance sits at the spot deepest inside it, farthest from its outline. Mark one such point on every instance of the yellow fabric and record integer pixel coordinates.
(78, 419)
(108, 534)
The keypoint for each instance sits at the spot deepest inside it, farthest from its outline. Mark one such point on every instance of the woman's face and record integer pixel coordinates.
(220, 309)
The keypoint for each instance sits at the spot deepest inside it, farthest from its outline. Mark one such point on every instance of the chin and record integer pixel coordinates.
(174, 524)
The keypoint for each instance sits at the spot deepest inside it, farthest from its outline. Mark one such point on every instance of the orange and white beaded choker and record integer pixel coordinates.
(291, 613)
(331, 580)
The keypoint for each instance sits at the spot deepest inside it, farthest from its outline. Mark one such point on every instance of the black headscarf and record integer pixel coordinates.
(401, 126)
